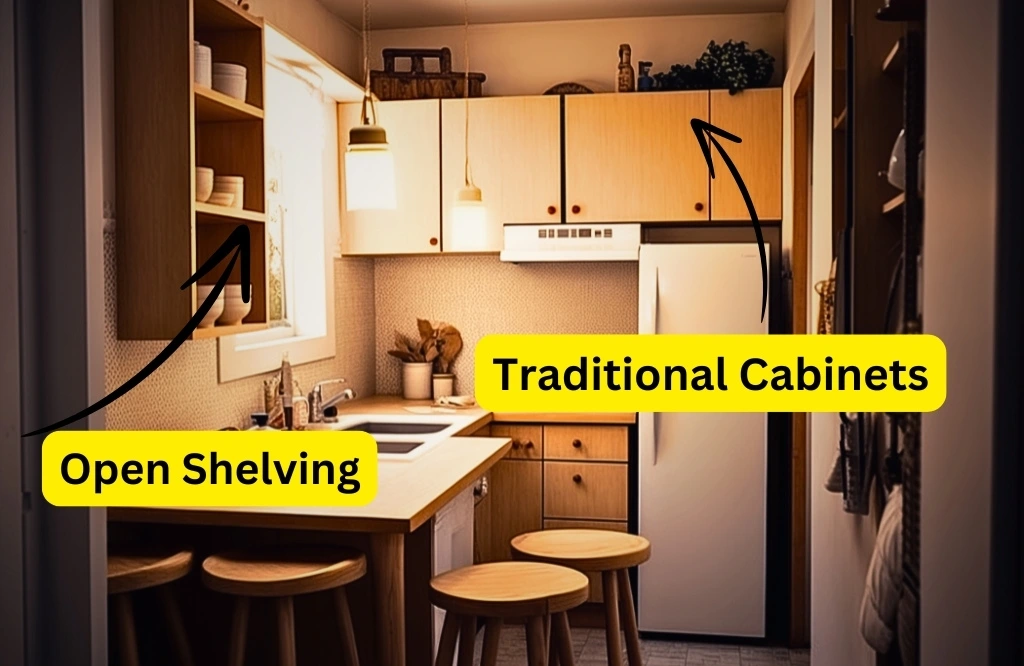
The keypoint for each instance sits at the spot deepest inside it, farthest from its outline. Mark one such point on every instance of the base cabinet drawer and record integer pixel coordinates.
(582, 442)
(596, 491)
(527, 440)
(596, 594)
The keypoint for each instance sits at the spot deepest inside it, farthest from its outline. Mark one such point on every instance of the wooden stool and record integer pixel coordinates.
(285, 574)
(600, 551)
(501, 590)
(138, 570)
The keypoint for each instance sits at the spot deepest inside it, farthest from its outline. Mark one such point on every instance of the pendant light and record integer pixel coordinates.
(470, 227)
(369, 163)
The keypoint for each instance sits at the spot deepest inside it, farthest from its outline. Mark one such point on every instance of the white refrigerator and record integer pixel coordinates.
(702, 477)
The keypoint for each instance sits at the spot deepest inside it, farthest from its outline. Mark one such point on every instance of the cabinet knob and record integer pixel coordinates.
(552, 210)
(576, 478)
(577, 444)
(529, 444)
(515, 443)
(698, 206)
(575, 209)
(433, 241)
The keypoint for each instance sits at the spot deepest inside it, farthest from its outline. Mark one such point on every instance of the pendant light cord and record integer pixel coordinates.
(465, 53)
(367, 95)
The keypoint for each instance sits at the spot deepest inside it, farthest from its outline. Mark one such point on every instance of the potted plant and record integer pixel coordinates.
(426, 364)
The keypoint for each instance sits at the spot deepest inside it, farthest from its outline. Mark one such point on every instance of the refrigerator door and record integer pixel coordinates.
(702, 477)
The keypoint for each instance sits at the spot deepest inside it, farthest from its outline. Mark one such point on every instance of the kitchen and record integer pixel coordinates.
(548, 200)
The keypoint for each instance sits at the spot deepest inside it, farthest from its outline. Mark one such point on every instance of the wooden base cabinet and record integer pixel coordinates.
(514, 498)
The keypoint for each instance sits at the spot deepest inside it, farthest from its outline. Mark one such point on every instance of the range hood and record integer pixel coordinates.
(571, 242)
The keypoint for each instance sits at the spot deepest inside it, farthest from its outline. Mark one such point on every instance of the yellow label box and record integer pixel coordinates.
(710, 373)
(188, 468)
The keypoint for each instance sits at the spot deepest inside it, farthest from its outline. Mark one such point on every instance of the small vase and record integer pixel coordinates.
(416, 380)
(444, 385)
(626, 80)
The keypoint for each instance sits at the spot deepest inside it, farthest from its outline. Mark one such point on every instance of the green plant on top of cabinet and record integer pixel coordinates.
(515, 148)
(414, 227)
(165, 126)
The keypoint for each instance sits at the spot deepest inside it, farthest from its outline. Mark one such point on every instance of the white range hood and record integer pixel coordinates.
(571, 242)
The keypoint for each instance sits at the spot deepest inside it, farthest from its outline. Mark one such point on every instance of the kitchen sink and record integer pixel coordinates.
(398, 448)
(381, 428)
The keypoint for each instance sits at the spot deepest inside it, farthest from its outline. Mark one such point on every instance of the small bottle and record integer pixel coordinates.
(286, 391)
(626, 77)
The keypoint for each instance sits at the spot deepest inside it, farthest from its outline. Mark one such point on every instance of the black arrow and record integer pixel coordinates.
(705, 132)
(238, 242)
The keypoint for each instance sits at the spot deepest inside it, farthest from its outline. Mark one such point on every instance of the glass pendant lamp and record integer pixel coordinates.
(369, 163)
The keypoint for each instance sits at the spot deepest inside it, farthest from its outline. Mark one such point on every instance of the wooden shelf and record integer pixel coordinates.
(223, 15)
(217, 331)
(215, 106)
(893, 204)
(221, 213)
(839, 122)
(893, 63)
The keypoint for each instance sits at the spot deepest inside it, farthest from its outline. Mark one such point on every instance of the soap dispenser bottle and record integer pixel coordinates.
(285, 389)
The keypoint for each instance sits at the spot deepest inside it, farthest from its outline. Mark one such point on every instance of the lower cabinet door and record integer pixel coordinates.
(596, 595)
(592, 491)
(514, 496)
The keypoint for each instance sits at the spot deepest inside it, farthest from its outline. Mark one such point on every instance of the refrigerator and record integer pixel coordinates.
(702, 478)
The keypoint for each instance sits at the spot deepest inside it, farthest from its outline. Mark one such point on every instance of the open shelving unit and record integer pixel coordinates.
(166, 126)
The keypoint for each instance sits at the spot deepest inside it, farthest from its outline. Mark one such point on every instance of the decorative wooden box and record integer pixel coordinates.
(417, 83)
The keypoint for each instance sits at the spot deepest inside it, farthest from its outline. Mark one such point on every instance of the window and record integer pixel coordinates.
(301, 129)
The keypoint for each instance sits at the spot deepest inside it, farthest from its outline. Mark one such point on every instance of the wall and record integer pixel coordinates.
(311, 24)
(959, 306)
(480, 295)
(528, 58)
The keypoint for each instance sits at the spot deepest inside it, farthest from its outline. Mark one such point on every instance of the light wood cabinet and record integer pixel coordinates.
(593, 491)
(756, 117)
(634, 158)
(414, 227)
(515, 507)
(582, 442)
(515, 153)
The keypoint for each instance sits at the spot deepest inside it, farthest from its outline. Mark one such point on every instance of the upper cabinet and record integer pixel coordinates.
(755, 116)
(414, 227)
(515, 156)
(633, 158)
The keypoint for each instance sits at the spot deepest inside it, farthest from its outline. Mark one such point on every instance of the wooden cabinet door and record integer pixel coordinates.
(414, 227)
(633, 158)
(514, 498)
(756, 117)
(515, 152)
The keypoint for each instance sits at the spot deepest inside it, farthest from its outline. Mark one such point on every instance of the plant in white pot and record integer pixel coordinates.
(436, 350)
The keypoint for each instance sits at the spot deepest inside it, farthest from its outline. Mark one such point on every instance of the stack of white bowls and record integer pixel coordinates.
(235, 309)
(229, 79)
(204, 183)
(232, 185)
(203, 72)
(203, 291)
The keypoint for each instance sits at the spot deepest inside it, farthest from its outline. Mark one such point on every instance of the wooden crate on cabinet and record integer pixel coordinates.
(414, 227)
(164, 123)
(633, 158)
(515, 153)
(756, 117)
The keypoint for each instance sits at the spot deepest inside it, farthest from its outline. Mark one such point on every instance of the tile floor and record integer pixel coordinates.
(589, 650)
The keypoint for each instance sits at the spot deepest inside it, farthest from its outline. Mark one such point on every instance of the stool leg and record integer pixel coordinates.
(467, 640)
(449, 634)
(611, 622)
(122, 604)
(492, 637)
(535, 641)
(629, 619)
(176, 625)
(239, 623)
(348, 635)
(561, 636)
(286, 631)
(549, 638)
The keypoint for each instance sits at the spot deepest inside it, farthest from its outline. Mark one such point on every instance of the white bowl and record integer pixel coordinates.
(231, 184)
(203, 291)
(221, 199)
(234, 310)
(229, 68)
(230, 84)
(204, 183)
(203, 74)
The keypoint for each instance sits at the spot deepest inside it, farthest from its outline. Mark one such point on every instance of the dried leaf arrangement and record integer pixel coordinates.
(438, 344)
(730, 65)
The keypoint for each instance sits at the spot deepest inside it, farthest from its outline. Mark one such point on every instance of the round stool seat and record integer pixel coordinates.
(584, 550)
(139, 569)
(509, 589)
(282, 573)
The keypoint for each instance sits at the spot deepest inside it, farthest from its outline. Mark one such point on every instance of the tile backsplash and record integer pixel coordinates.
(480, 295)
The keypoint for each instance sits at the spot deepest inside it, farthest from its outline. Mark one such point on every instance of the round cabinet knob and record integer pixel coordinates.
(529, 444)
(515, 443)
(576, 444)
(698, 206)
(552, 210)
(576, 478)
(576, 209)
(433, 241)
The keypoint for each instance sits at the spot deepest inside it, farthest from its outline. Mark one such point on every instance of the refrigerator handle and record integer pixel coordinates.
(649, 436)
(649, 310)
(654, 304)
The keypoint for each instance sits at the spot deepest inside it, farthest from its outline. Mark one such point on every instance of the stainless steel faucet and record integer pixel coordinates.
(316, 398)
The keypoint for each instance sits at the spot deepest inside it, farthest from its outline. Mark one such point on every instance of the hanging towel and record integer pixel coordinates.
(882, 588)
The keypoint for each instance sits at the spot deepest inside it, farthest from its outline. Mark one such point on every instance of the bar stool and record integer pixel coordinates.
(284, 574)
(132, 570)
(501, 590)
(599, 551)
